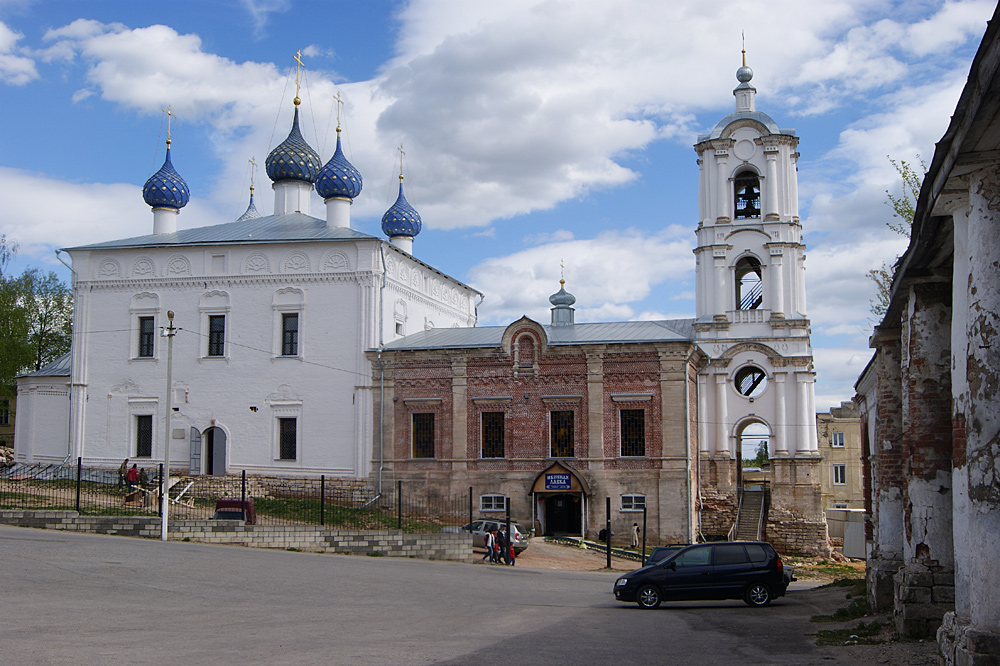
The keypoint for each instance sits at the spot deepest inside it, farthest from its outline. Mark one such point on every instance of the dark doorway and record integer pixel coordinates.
(563, 514)
(215, 451)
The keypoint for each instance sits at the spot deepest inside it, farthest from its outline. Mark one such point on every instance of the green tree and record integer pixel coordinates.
(903, 210)
(761, 459)
(14, 348)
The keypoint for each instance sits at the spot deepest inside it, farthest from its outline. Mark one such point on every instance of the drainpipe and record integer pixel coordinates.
(381, 371)
(687, 448)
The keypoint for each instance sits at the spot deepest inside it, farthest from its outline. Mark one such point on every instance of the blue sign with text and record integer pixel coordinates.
(557, 482)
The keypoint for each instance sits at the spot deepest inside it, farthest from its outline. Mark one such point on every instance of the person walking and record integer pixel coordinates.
(513, 554)
(496, 548)
(122, 471)
(635, 535)
(143, 478)
(132, 477)
(504, 546)
(488, 541)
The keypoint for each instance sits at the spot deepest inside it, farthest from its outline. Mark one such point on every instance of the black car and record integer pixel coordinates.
(661, 553)
(751, 571)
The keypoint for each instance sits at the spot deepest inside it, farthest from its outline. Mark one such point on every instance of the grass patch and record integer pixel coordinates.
(863, 634)
(375, 553)
(856, 609)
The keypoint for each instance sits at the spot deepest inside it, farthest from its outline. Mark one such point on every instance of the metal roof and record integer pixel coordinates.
(270, 229)
(57, 368)
(623, 332)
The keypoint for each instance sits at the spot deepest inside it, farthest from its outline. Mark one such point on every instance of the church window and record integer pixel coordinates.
(143, 436)
(288, 438)
(751, 381)
(840, 475)
(633, 502)
(290, 334)
(747, 187)
(146, 337)
(217, 335)
(423, 435)
(492, 425)
(492, 503)
(749, 287)
(837, 440)
(633, 432)
(561, 437)
(4, 412)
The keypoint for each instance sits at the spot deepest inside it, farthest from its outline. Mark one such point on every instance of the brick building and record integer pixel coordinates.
(929, 396)
(653, 413)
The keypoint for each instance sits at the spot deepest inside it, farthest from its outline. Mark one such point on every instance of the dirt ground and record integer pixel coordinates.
(542, 554)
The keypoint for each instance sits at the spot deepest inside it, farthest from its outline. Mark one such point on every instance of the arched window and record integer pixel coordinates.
(749, 288)
(747, 187)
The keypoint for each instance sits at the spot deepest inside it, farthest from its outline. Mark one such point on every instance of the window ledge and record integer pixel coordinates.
(143, 359)
(631, 397)
(422, 401)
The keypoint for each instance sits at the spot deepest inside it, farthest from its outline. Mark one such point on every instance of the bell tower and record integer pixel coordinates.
(751, 309)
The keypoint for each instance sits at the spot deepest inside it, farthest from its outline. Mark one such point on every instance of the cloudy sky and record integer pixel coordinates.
(535, 132)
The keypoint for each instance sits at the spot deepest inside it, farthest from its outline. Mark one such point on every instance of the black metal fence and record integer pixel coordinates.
(91, 491)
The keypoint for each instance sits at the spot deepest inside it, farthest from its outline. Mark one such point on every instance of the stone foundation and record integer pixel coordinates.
(312, 538)
(922, 596)
(960, 644)
(880, 580)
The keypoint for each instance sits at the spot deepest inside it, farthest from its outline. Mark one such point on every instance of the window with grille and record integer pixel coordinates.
(287, 438)
(837, 440)
(633, 502)
(493, 434)
(750, 381)
(840, 475)
(290, 334)
(633, 432)
(423, 435)
(217, 335)
(492, 503)
(146, 337)
(561, 424)
(747, 188)
(144, 436)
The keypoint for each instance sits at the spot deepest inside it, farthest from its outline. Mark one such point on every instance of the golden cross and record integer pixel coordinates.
(298, 60)
(744, 36)
(170, 114)
(340, 103)
(401, 153)
(562, 273)
(253, 165)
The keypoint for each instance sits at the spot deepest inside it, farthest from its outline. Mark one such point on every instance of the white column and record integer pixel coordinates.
(802, 421)
(702, 203)
(721, 414)
(703, 415)
(775, 270)
(780, 414)
(721, 290)
(793, 182)
(811, 413)
(772, 184)
(722, 192)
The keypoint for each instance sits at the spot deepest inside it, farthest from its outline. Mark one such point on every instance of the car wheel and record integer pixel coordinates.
(648, 596)
(757, 594)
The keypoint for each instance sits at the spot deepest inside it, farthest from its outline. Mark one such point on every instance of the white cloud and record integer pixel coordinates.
(260, 10)
(14, 69)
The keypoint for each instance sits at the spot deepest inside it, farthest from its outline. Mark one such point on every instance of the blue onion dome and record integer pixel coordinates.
(166, 188)
(338, 178)
(251, 213)
(401, 219)
(293, 159)
(562, 297)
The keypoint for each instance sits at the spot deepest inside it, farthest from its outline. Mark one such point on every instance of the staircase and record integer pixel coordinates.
(751, 516)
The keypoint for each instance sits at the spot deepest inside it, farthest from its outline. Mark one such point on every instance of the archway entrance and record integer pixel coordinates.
(215, 451)
(560, 502)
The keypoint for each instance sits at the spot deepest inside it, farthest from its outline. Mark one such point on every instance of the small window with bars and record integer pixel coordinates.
(633, 432)
(217, 335)
(492, 503)
(633, 502)
(561, 425)
(837, 440)
(288, 438)
(493, 434)
(144, 436)
(747, 189)
(290, 334)
(147, 337)
(423, 435)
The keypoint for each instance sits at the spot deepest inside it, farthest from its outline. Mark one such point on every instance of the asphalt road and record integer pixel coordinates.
(86, 599)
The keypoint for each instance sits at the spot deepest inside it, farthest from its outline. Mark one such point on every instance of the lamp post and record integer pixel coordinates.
(168, 333)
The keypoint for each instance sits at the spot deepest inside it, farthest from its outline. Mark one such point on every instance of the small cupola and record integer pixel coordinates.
(401, 223)
(339, 183)
(562, 300)
(293, 166)
(166, 192)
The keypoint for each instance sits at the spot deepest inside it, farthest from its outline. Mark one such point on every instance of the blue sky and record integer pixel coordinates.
(535, 131)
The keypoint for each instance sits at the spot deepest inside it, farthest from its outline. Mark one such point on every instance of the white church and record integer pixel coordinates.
(275, 315)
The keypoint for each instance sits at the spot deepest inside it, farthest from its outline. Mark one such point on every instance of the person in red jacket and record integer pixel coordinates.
(132, 477)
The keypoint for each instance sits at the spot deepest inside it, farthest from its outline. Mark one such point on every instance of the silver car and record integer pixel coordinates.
(479, 528)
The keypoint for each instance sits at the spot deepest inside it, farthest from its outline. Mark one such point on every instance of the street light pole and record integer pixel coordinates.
(168, 333)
